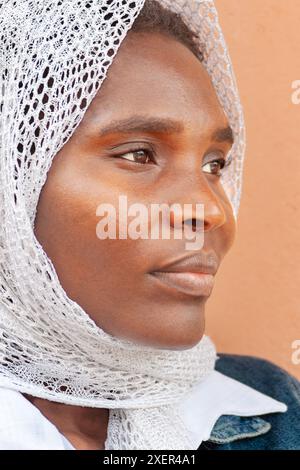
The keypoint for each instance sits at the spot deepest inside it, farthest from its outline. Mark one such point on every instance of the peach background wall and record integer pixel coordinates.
(255, 307)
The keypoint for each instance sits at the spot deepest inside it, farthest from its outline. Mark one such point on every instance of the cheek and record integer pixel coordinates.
(66, 225)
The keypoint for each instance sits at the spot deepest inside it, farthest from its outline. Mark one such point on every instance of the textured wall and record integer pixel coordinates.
(255, 307)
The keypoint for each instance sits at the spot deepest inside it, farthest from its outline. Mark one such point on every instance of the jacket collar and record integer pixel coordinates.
(222, 409)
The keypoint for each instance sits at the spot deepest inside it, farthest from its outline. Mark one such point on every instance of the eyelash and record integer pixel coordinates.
(224, 162)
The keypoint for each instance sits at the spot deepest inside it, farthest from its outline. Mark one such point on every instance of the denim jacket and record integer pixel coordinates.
(275, 431)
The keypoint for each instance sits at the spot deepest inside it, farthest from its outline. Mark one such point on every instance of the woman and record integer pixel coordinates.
(103, 343)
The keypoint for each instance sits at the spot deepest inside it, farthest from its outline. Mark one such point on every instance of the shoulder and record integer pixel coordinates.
(272, 380)
(9, 400)
(261, 374)
(22, 425)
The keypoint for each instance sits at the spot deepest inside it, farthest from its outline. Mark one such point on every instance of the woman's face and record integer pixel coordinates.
(152, 77)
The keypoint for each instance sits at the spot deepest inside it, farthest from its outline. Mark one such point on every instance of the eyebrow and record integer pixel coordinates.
(142, 124)
(159, 125)
(224, 134)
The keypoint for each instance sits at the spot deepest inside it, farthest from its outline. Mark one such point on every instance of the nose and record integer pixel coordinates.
(184, 206)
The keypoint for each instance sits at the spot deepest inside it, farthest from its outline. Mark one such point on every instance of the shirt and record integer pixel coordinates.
(23, 426)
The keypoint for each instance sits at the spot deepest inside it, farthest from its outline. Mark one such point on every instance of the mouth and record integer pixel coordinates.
(191, 283)
(193, 275)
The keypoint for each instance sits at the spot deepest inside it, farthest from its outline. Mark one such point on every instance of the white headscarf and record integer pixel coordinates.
(54, 56)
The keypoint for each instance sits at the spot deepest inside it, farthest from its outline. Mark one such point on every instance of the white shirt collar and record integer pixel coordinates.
(23, 426)
(221, 395)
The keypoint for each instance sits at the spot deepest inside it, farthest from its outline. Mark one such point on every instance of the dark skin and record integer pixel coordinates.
(153, 76)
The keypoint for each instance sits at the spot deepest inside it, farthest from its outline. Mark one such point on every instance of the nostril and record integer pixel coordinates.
(195, 224)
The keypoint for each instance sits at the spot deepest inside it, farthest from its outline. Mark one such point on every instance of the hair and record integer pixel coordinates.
(154, 18)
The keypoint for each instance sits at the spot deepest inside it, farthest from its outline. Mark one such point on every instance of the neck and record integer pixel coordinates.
(85, 428)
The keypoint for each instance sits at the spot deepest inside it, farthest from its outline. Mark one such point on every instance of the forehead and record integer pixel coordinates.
(156, 75)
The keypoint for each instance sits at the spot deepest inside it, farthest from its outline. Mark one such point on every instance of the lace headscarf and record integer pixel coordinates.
(54, 56)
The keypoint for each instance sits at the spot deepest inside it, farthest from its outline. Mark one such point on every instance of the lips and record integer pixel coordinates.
(197, 284)
(192, 275)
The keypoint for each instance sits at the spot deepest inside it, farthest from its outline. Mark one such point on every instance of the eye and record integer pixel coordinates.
(141, 156)
(215, 167)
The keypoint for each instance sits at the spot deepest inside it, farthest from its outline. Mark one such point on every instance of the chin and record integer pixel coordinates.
(186, 342)
(179, 336)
